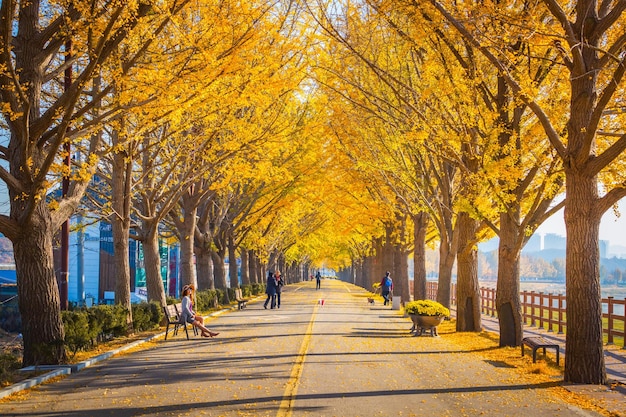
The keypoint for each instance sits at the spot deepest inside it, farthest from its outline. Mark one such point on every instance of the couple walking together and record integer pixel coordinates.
(273, 289)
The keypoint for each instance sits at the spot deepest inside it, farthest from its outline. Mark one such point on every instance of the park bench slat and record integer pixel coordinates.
(174, 318)
(538, 342)
(241, 302)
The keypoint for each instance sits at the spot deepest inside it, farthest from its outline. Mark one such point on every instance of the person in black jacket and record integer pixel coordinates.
(279, 287)
(270, 290)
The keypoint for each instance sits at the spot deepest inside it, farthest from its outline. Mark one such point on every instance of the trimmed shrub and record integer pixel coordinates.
(206, 300)
(146, 316)
(257, 288)
(111, 319)
(10, 319)
(9, 364)
(231, 295)
(79, 334)
(247, 290)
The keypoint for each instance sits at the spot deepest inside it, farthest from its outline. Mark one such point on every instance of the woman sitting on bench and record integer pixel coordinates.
(189, 316)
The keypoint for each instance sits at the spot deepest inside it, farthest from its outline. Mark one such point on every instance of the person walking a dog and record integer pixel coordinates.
(386, 287)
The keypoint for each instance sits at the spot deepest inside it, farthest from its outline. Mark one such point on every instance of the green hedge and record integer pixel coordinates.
(208, 299)
(9, 364)
(86, 327)
(147, 316)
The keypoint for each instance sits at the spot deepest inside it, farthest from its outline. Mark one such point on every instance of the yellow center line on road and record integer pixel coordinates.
(286, 405)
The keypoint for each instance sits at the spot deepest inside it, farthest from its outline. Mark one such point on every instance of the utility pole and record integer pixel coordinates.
(65, 228)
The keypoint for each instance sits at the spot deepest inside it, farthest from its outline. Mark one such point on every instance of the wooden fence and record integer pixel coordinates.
(548, 310)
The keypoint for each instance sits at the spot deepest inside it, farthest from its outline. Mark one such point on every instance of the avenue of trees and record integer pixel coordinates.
(295, 133)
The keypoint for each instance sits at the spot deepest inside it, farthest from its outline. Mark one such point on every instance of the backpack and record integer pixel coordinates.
(387, 283)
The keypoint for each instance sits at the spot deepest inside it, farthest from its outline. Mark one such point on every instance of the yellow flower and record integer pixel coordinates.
(426, 308)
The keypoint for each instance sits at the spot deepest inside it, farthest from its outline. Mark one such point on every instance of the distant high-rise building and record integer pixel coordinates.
(533, 244)
(604, 248)
(553, 241)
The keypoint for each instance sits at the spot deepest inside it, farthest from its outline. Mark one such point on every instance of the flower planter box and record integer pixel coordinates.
(421, 323)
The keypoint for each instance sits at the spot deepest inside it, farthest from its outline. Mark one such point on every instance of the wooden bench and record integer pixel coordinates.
(538, 342)
(241, 302)
(173, 316)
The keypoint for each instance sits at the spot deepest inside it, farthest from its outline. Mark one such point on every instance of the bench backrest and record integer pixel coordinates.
(171, 312)
(238, 294)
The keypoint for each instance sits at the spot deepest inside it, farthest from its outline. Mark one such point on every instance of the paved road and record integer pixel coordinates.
(343, 358)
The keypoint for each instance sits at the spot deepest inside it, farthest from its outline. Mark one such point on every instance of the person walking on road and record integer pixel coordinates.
(270, 290)
(318, 280)
(279, 287)
(386, 285)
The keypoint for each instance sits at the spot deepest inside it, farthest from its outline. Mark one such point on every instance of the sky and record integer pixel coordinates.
(612, 228)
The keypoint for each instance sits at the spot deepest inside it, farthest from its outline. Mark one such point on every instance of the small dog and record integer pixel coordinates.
(370, 300)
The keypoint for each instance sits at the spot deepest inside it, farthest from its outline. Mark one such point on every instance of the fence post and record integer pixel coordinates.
(541, 295)
(550, 310)
(561, 298)
(483, 300)
(524, 310)
(610, 321)
(533, 321)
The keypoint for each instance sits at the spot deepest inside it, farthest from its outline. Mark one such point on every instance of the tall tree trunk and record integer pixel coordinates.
(272, 263)
(358, 267)
(584, 361)
(204, 270)
(120, 223)
(261, 273)
(420, 222)
(252, 267)
(219, 273)
(351, 272)
(280, 265)
(37, 287)
(38, 292)
(508, 303)
(232, 262)
(467, 288)
(368, 272)
(401, 271)
(187, 242)
(378, 269)
(387, 253)
(154, 281)
(447, 255)
(245, 277)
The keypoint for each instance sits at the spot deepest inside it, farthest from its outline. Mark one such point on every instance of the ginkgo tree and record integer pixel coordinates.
(590, 142)
(40, 40)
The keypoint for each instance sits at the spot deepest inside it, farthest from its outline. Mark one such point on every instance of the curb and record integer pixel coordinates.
(61, 370)
(31, 382)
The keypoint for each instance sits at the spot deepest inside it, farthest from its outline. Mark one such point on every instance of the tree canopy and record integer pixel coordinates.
(302, 134)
